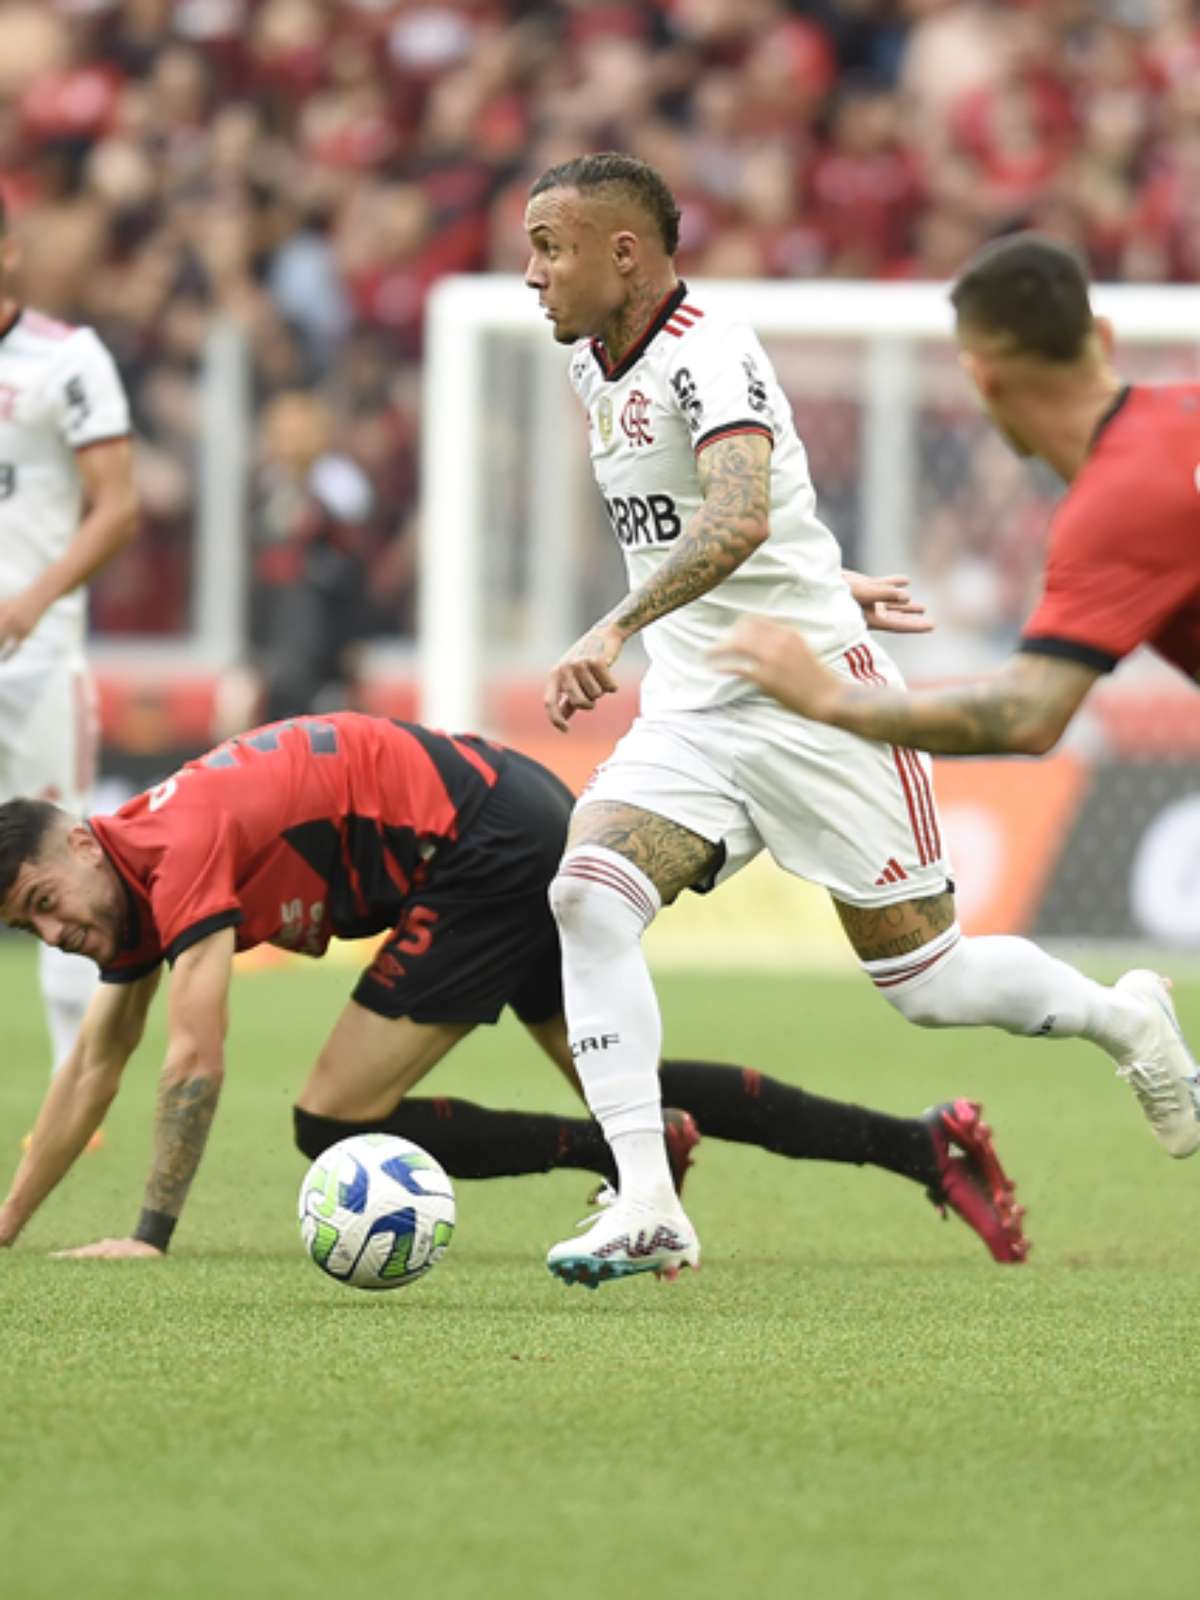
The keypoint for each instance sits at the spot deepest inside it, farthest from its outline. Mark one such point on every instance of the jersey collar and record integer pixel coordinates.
(662, 315)
(1108, 414)
(7, 327)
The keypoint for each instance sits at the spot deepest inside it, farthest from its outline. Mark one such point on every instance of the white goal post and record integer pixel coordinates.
(505, 480)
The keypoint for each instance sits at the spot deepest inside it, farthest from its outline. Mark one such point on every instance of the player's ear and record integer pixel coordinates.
(1106, 337)
(624, 251)
(83, 844)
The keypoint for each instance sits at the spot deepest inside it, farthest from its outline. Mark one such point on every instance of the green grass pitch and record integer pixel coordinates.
(849, 1400)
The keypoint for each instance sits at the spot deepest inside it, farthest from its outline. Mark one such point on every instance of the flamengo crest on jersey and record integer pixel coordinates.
(59, 391)
(694, 378)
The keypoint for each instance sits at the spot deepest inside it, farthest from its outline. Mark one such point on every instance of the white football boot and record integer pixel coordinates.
(1160, 1069)
(627, 1237)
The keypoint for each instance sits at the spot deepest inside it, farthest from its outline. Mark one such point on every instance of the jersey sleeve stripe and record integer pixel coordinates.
(1069, 650)
(229, 918)
(729, 429)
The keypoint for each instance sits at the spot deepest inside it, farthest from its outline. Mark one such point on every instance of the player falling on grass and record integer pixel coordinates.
(354, 825)
(67, 506)
(1123, 568)
(708, 492)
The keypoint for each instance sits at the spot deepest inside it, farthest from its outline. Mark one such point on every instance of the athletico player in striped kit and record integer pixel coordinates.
(67, 506)
(708, 492)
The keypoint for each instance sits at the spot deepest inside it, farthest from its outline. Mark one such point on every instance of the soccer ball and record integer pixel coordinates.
(376, 1211)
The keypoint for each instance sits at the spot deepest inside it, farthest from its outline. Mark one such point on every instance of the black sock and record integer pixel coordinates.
(740, 1104)
(474, 1141)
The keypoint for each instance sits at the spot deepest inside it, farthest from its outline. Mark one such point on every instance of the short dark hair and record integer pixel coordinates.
(24, 825)
(634, 179)
(1030, 288)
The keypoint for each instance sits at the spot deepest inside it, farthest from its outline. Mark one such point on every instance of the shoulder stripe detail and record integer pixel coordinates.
(729, 429)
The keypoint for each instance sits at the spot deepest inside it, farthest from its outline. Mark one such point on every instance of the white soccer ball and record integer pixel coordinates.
(376, 1211)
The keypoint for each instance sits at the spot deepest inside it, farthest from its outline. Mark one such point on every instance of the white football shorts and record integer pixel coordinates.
(857, 817)
(48, 727)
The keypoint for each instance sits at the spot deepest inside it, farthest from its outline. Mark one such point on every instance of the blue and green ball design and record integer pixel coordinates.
(376, 1211)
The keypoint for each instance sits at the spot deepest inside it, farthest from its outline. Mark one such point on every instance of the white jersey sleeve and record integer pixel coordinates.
(718, 380)
(87, 398)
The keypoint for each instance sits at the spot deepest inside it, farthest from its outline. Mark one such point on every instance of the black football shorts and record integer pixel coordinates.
(479, 935)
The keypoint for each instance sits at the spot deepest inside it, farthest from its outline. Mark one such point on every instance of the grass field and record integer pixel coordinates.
(850, 1399)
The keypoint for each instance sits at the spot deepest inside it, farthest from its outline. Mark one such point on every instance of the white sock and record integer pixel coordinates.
(68, 983)
(1008, 983)
(603, 904)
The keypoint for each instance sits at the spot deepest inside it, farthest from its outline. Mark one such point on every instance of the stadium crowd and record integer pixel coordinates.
(310, 167)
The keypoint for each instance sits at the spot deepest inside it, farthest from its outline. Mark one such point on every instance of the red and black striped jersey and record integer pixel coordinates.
(292, 833)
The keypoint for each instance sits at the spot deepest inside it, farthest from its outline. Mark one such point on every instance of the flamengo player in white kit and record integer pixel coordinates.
(708, 492)
(67, 505)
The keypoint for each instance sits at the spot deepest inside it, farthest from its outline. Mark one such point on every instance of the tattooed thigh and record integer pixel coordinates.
(671, 856)
(880, 932)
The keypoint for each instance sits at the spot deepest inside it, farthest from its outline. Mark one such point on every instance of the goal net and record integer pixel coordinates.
(1099, 841)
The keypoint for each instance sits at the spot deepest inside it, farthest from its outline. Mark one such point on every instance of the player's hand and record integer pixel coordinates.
(582, 676)
(19, 616)
(774, 657)
(111, 1250)
(886, 604)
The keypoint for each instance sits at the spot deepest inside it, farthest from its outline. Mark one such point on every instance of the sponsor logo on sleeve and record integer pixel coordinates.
(687, 398)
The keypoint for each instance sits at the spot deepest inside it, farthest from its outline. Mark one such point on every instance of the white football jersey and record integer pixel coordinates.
(59, 392)
(693, 378)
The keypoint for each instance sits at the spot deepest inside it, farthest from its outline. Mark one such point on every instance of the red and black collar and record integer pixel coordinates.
(1109, 412)
(663, 313)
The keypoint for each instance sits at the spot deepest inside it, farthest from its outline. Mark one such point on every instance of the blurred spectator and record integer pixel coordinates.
(312, 513)
(309, 168)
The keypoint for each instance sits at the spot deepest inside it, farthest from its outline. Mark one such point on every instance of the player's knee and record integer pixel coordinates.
(600, 901)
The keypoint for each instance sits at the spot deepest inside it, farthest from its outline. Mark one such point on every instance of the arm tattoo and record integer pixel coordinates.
(735, 478)
(181, 1124)
(1025, 706)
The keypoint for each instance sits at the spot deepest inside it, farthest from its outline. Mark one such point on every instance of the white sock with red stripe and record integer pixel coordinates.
(603, 904)
(1009, 983)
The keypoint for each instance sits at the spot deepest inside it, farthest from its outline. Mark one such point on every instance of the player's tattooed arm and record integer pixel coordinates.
(1023, 708)
(190, 1085)
(731, 523)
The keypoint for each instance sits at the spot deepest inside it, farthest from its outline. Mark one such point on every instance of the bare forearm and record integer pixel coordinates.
(102, 534)
(971, 719)
(187, 1101)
